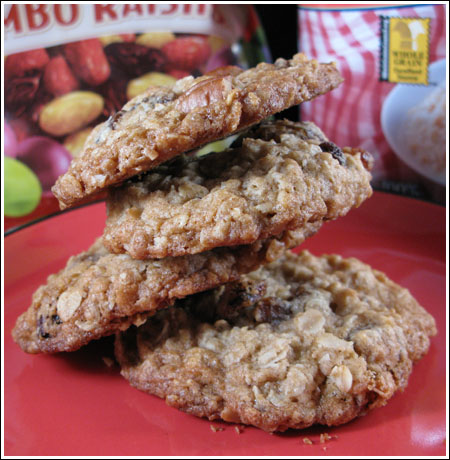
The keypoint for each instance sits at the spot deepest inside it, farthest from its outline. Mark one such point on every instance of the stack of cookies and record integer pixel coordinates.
(193, 273)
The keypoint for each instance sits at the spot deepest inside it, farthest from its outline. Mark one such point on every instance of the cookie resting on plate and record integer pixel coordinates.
(301, 341)
(99, 293)
(284, 175)
(164, 122)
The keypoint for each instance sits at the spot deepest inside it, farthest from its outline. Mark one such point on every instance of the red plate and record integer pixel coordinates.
(75, 404)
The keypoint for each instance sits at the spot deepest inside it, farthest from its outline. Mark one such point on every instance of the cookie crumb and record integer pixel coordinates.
(307, 441)
(324, 448)
(215, 428)
(325, 437)
(238, 429)
(108, 361)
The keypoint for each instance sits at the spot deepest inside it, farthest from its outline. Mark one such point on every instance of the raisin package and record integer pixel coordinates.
(69, 67)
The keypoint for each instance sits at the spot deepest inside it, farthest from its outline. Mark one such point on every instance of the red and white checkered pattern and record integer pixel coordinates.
(350, 115)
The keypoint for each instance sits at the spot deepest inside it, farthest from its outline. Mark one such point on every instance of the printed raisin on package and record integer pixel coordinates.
(69, 67)
(392, 101)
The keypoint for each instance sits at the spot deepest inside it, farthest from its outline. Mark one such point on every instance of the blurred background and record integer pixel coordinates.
(61, 81)
(392, 102)
(280, 25)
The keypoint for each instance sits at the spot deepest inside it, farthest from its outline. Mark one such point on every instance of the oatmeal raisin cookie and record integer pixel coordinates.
(284, 175)
(98, 293)
(301, 341)
(164, 122)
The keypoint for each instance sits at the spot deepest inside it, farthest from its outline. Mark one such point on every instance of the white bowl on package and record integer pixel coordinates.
(395, 111)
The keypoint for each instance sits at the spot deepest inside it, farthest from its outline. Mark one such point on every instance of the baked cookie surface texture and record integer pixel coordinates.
(283, 176)
(164, 122)
(301, 341)
(98, 293)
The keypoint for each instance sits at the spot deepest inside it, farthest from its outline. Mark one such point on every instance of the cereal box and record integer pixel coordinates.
(393, 100)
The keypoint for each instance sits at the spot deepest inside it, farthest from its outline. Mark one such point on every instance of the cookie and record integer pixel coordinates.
(164, 122)
(283, 176)
(301, 341)
(98, 293)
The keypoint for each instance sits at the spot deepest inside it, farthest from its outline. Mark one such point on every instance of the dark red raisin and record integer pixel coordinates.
(56, 319)
(335, 151)
(135, 59)
(42, 332)
(114, 92)
(22, 92)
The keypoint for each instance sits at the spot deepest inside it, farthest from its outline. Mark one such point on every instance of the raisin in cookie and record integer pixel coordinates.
(301, 341)
(98, 293)
(284, 175)
(164, 122)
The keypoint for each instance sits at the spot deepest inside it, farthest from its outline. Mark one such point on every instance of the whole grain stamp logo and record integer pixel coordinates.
(404, 50)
